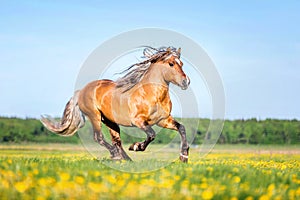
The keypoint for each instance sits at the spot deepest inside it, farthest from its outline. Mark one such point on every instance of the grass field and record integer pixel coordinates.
(229, 172)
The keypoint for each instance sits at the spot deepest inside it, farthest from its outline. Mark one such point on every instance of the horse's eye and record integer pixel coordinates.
(171, 64)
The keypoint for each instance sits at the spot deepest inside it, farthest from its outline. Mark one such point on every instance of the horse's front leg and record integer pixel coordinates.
(184, 155)
(141, 146)
(170, 123)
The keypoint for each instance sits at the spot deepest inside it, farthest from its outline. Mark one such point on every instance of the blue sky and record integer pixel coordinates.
(255, 46)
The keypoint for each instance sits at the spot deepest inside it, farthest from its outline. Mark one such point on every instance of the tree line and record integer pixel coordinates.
(250, 131)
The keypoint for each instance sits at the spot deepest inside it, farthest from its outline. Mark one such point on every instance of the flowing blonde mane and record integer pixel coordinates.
(137, 71)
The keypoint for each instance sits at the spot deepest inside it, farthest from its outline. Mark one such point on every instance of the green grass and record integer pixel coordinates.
(54, 171)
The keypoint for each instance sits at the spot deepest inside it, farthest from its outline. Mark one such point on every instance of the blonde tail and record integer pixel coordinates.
(71, 121)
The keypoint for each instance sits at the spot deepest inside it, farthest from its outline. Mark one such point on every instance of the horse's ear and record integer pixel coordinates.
(179, 52)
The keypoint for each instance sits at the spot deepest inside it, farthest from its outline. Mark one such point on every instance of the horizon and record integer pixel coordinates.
(200, 118)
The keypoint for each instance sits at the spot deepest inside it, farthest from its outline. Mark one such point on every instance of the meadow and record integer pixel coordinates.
(64, 171)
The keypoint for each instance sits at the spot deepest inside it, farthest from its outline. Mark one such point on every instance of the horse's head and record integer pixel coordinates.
(171, 67)
(163, 61)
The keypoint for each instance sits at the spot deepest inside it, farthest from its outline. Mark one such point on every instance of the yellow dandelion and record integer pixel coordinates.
(95, 187)
(79, 180)
(35, 172)
(236, 179)
(283, 167)
(131, 190)
(121, 183)
(249, 198)
(176, 177)
(167, 184)
(9, 174)
(47, 181)
(292, 194)
(264, 197)
(97, 173)
(149, 182)
(111, 179)
(126, 176)
(21, 186)
(62, 186)
(298, 192)
(4, 184)
(41, 198)
(271, 187)
(203, 185)
(64, 176)
(207, 194)
(278, 198)
(42, 181)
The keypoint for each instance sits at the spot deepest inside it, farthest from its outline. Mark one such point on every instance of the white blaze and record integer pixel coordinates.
(178, 61)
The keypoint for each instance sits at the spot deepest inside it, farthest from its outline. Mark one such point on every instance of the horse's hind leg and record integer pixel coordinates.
(99, 137)
(116, 141)
(114, 131)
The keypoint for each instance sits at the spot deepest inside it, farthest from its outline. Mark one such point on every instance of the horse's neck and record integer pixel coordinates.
(155, 77)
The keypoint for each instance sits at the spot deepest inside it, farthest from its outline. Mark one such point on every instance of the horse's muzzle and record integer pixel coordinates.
(185, 83)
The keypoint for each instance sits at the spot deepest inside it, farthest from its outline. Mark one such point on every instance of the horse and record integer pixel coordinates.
(138, 99)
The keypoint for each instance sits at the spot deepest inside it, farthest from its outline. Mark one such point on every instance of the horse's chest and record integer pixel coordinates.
(159, 111)
(150, 105)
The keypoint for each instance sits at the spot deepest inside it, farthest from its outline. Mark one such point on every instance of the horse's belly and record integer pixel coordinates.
(121, 117)
(119, 111)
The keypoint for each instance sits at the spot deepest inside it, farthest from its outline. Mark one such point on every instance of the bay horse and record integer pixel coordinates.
(140, 98)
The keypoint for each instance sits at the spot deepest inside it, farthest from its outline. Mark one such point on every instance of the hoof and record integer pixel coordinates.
(126, 157)
(136, 147)
(184, 158)
(120, 158)
(116, 158)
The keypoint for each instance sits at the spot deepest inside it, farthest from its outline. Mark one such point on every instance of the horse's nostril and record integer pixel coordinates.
(185, 83)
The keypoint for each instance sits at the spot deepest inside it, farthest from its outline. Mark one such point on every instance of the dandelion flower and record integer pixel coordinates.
(207, 194)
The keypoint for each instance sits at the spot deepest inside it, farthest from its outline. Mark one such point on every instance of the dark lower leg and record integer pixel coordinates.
(174, 125)
(114, 131)
(98, 137)
(141, 146)
(184, 144)
(116, 141)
